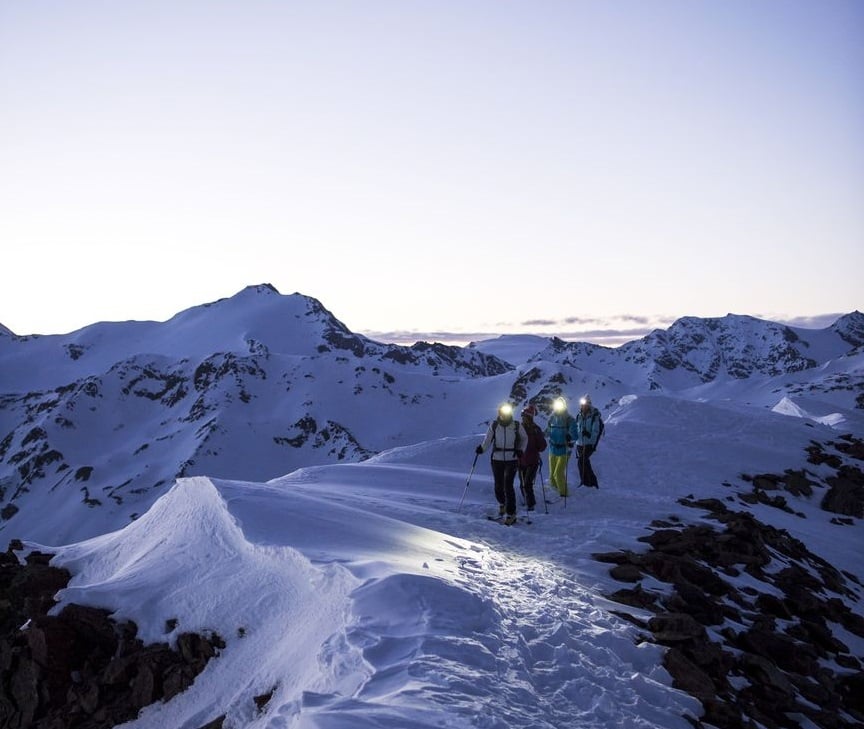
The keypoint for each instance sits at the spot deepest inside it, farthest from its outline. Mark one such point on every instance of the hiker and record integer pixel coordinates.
(507, 438)
(589, 426)
(529, 461)
(561, 432)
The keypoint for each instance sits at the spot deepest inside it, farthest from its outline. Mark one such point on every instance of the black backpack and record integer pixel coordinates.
(602, 427)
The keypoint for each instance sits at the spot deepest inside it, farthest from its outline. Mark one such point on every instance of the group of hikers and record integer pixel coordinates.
(516, 448)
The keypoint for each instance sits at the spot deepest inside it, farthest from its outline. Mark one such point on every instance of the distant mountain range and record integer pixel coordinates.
(259, 384)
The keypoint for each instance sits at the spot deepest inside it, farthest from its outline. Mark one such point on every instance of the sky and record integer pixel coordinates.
(430, 169)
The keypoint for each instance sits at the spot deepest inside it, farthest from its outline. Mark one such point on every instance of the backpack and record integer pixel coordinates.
(538, 433)
(601, 429)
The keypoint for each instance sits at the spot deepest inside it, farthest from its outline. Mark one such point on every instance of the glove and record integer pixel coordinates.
(569, 442)
(478, 450)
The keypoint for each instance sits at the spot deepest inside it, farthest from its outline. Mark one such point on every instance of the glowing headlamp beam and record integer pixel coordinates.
(506, 409)
(559, 404)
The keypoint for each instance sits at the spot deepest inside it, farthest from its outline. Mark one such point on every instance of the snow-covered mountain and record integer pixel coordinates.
(259, 384)
(252, 386)
(693, 352)
(253, 472)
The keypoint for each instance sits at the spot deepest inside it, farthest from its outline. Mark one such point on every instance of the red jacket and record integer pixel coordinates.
(535, 445)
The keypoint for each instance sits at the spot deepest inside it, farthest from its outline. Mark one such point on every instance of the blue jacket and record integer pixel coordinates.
(587, 427)
(561, 431)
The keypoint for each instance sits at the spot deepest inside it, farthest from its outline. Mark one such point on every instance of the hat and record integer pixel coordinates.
(529, 410)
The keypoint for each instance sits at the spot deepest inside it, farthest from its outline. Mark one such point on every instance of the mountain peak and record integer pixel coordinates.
(5, 331)
(850, 328)
(265, 289)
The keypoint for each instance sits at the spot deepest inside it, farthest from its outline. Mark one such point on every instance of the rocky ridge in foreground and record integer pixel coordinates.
(753, 621)
(80, 668)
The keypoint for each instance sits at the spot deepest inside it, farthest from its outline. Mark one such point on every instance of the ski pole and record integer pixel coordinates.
(543, 482)
(471, 473)
(522, 486)
(566, 485)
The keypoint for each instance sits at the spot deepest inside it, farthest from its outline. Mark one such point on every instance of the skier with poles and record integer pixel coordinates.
(561, 432)
(589, 428)
(507, 438)
(529, 461)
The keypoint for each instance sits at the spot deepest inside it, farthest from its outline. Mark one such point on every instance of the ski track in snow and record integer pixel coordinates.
(521, 643)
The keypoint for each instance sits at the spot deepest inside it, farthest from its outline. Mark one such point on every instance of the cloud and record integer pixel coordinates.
(406, 337)
(611, 331)
(817, 321)
(643, 320)
(570, 320)
(609, 322)
(610, 337)
(540, 323)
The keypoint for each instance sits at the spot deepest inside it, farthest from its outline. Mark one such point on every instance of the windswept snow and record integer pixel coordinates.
(361, 620)
(363, 596)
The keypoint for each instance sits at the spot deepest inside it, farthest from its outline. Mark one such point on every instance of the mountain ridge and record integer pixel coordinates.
(258, 384)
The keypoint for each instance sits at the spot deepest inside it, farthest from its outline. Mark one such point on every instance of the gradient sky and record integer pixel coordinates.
(428, 166)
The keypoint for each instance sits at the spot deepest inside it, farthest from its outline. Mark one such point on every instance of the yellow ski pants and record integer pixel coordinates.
(558, 472)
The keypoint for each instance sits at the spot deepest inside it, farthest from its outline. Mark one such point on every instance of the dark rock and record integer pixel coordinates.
(612, 557)
(626, 573)
(763, 671)
(215, 724)
(851, 446)
(675, 627)
(846, 495)
(688, 676)
(79, 668)
(798, 484)
(264, 699)
(693, 601)
(847, 661)
(724, 715)
(636, 597)
(766, 481)
(818, 456)
(851, 688)
(781, 650)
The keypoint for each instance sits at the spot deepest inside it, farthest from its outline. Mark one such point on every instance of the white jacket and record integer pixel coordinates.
(505, 440)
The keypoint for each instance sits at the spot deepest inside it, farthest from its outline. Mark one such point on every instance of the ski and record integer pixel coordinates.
(500, 519)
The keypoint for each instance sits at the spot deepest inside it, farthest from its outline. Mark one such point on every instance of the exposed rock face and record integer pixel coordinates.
(759, 651)
(850, 328)
(79, 668)
(739, 346)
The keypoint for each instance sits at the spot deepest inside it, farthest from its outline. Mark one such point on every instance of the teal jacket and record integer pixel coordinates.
(587, 427)
(560, 431)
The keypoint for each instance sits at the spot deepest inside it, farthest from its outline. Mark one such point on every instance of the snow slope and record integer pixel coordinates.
(363, 596)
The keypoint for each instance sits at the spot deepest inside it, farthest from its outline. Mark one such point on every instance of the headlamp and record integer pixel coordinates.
(583, 401)
(560, 405)
(506, 409)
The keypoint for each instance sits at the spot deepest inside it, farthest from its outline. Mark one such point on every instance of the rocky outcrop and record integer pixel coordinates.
(79, 668)
(843, 490)
(738, 346)
(747, 618)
